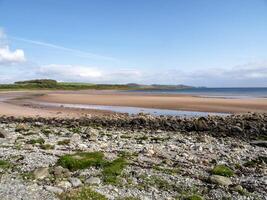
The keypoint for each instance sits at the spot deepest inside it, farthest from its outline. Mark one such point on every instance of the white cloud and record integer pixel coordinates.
(251, 74)
(7, 56)
(88, 74)
(69, 71)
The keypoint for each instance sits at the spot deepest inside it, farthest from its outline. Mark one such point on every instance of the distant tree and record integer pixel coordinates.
(38, 81)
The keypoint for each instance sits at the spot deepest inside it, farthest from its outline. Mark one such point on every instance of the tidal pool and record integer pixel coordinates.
(133, 110)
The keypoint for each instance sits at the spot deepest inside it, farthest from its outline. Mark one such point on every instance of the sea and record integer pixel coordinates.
(214, 92)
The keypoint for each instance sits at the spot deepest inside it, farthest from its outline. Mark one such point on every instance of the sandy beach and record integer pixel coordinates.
(173, 102)
(21, 103)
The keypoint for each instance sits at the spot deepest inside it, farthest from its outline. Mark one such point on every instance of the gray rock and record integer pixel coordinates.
(93, 181)
(90, 134)
(3, 133)
(220, 180)
(53, 189)
(41, 173)
(61, 172)
(75, 182)
(64, 185)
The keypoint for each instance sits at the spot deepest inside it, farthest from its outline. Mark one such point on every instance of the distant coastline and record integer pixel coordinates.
(257, 92)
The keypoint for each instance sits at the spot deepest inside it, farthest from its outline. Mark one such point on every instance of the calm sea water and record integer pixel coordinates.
(216, 92)
(133, 110)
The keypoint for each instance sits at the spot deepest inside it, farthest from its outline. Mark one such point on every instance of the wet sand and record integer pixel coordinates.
(160, 101)
(26, 103)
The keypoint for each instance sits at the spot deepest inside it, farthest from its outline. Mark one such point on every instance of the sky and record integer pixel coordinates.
(211, 43)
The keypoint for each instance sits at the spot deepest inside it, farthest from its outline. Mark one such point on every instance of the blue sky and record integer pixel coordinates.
(196, 42)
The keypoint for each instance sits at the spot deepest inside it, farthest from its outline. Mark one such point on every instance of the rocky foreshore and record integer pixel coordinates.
(134, 157)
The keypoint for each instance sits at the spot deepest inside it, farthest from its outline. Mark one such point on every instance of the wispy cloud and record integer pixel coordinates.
(76, 52)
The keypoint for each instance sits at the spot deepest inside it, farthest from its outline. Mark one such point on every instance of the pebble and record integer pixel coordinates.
(93, 181)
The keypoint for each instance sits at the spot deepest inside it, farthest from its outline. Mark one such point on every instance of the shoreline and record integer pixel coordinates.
(29, 103)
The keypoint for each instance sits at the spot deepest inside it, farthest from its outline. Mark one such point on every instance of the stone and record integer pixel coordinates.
(238, 188)
(61, 172)
(64, 185)
(93, 137)
(220, 180)
(53, 189)
(93, 181)
(3, 133)
(75, 182)
(41, 173)
(90, 134)
(201, 124)
(22, 127)
(260, 143)
(75, 138)
(237, 129)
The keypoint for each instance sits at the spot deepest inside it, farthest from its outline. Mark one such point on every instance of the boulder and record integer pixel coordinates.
(220, 180)
(75, 182)
(41, 173)
(201, 124)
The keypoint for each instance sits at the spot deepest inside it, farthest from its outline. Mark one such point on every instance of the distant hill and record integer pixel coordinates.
(53, 84)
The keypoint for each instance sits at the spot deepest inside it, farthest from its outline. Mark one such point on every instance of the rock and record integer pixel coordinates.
(64, 185)
(220, 180)
(3, 133)
(90, 134)
(41, 173)
(203, 139)
(93, 137)
(61, 172)
(75, 138)
(260, 143)
(75, 182)
(238, 188)
(58, 171)
(201, 124)
(53, 189)
(22, 127)
(93, 181)
(237, 129)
